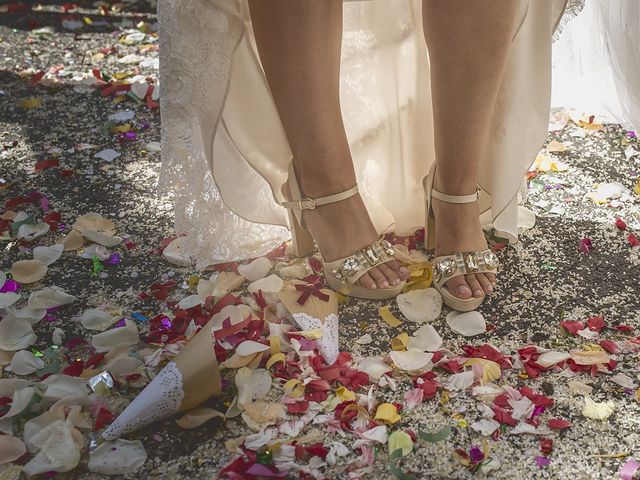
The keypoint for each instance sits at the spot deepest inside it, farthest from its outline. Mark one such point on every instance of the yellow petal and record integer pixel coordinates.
(31, 102)
(311, 334)
(387, 316)
(597, 411)
(387, 413)
(344, 394)
(294, 388)
(400, 440)
(278, 357)
(490, 369)
(274, 344)
(399, 343)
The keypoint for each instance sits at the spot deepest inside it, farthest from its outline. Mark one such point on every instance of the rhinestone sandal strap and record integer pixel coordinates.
(455, 198)
(461, 263)
(351, 268)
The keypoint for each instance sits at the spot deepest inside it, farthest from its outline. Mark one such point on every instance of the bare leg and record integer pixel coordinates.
(468, 42)
(299, 45)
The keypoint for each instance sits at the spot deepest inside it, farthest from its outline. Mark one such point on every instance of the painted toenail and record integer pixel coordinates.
(385, 284)
(478, 293)
(464, 289)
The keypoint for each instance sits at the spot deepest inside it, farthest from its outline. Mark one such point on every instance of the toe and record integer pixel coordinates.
(474, 285)
(391, 276)
(484, 283)
(366, 281)
(401, 271)
(458, 287)
(492, 278)
(379, 278)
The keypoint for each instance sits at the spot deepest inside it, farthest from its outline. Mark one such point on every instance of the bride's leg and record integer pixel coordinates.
(299, 45)
(468, 42)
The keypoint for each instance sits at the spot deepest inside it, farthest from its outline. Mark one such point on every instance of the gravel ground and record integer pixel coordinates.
(544, 279)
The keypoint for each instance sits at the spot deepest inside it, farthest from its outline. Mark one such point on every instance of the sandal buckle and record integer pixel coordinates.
(307, 204)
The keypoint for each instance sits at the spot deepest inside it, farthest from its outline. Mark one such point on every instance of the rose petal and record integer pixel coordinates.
(101, 238)
(106, 341)
(16, 334)
(255, 270)
(374, 367)
(461, 381)
(95, 319)
(48, 255)
(486, 426)
(252, 385)
(597, 411)
(31, 232)
(190, 302)
(198, 416)
(95, 222)
(549, 359)
(376, 434)
(623, 380)
(72, 241)
(8, 299)
(426, 338)
(270, 284)
(24, 362)
(422, 305)
(466, 323)
(49, 297)
(176, 252)
(11, 448)
(117, 457)
(28, 271)
(412, 360)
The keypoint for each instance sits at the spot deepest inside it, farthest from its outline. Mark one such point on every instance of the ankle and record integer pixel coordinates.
(318, 182)
(455, 185)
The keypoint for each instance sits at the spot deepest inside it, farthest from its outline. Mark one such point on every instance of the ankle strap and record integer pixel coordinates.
(455, 198)
(311, 203)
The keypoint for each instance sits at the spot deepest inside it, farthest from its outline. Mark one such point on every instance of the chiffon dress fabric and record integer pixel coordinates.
(225, 154)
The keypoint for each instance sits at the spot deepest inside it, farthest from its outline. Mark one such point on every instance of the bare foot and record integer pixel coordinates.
(458, 230)
(342, 228)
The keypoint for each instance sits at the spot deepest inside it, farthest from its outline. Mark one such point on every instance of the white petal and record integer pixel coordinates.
(249, 347)
(30, 315)
(426, 338)
(461, 381)
(374, 367)
(16, 334)
(102, 238)
(96, 319)
(108, 155)
(176, 252)
(189, 302)
(106, 341)
(466, 323)
(117, 457)
(255, 270)
(122, 115)
(57, 450)
(24, 362)
(7, 299)
(49, 297)
(58, 336)
(377, 434)
(412, 360)
(48, 255)
(526, 219)
(486, 426)
(423, 305)
(63, 386)
(365, 339)
(11, 448)
(523, 427)
(623, 380)
(252, 384)
(3, 279)
(31, 232)
(21, 398)
(548, 359)
(597, 411)
(522, 409)
(270, 284)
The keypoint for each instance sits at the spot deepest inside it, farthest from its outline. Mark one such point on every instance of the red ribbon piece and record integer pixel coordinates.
(311, 289)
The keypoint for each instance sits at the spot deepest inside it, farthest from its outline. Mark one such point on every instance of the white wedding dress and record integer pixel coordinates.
(225, 154)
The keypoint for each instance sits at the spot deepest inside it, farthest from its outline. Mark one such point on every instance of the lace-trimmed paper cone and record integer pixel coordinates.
(314, 308)
(190, 379)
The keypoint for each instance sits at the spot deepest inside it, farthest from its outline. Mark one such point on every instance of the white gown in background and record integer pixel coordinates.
(225, 153)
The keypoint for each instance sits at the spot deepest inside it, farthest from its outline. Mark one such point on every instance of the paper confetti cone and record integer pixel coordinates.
(190, 379)
(314, 308)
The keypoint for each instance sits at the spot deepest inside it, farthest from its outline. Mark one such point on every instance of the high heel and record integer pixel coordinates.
(445, 267)
(341, 274)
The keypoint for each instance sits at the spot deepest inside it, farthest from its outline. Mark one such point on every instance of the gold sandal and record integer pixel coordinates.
(341, 274)
(445, 267)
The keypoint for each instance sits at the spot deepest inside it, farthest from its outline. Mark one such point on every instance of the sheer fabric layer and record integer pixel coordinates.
(225, 154)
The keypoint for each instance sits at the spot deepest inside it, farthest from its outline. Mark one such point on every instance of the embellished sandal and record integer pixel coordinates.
(341, 274)
(445, 267)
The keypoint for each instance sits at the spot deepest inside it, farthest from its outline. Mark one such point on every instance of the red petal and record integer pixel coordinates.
(596, 323)
(572, 326)
(559, 424)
